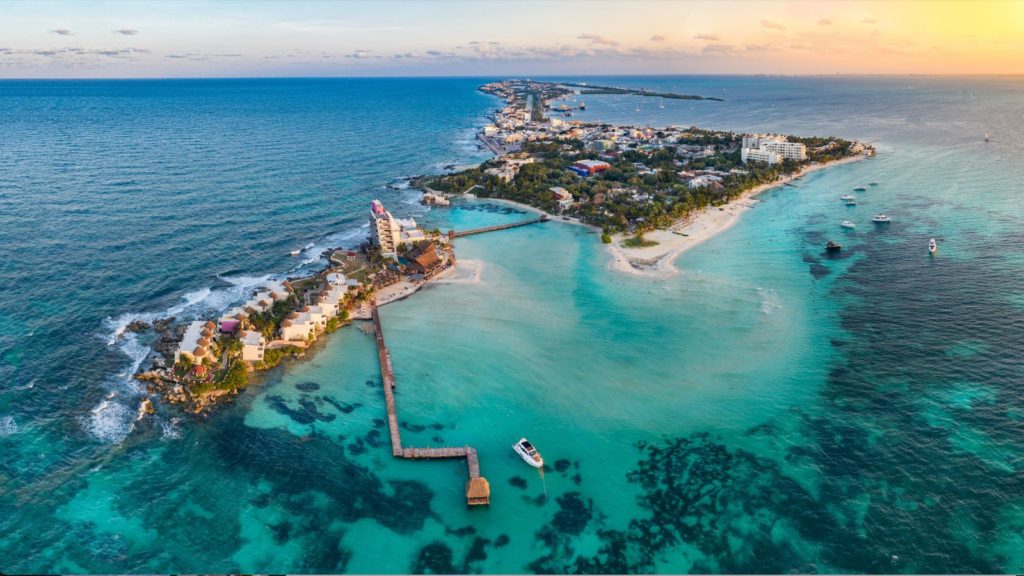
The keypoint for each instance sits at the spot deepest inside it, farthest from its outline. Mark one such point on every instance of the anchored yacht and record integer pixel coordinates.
(528, 453)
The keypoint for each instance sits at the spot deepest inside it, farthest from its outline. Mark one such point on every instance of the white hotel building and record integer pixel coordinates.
(771, 148)
(388, 232)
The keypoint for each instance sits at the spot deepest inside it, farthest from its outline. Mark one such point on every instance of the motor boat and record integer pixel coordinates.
(873, 184)
(847, 197)
(295, 252)
(833, 246)
(861, 189)
(933, 246)
(528, 453)
(848, 224)
(851, 202)
(881, 219)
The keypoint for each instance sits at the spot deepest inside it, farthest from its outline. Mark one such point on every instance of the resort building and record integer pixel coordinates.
(387, 232)
(298, 326)
(562, 196)
(253, 346)
(195, 343)
(231, 320)
(423, 258)
(771, 149)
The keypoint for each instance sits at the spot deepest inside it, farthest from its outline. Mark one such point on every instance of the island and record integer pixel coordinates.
(651, 192)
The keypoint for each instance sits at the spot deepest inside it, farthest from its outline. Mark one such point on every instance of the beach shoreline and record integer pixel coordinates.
(658, 261)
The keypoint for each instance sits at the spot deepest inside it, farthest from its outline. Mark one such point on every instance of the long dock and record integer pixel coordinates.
(461, 233)
(478, 490)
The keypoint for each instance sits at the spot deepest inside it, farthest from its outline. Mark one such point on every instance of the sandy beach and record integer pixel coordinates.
(656, 261)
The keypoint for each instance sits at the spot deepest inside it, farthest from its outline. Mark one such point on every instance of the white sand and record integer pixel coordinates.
(656, 261)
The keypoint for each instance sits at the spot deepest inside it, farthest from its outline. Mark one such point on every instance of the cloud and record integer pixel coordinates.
(361, 54)
(824, 22)
(126, 31)
(869, 21)
(120, 52)
(772, 25)
(598, 39)
(657, 38)
(62, 32)
(708, 37)
(719, 49)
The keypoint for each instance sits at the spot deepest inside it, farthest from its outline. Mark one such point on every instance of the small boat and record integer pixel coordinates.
(881, 219)
(295, 252)
(583, 105)
(833, 246)
(933, 246)
(528, 453)
(847, 197)
(848, 224)
(851, 202)
(986, 136)
(861, 189)
(873, 184)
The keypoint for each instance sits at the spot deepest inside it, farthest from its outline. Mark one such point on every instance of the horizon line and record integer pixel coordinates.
(526, 76)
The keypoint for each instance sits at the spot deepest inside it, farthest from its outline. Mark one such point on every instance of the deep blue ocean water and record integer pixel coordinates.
(767, 410)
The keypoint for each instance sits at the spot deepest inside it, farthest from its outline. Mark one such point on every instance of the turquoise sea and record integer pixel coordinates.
(769, 409)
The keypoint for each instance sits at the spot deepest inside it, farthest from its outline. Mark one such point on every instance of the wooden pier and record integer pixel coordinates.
(478, 490)
(461, 233)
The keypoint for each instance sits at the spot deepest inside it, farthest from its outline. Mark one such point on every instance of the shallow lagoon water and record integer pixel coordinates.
(767, 409)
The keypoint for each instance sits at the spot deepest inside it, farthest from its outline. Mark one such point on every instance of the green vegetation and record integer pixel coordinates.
(606, 238)
(273, 356)
(269, 322)
(642, 190)
(591, 89)
(638, 241)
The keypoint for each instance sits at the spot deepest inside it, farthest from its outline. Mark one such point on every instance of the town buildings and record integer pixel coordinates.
(562, 196)
(589, 167)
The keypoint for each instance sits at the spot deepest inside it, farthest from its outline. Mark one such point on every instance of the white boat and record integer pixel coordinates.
(851, 202)
(528, 453)
(933, 246)
(873, 184)
(847, 197)
(861, 189)
(848, 224)
(881, 218)
(295, 252)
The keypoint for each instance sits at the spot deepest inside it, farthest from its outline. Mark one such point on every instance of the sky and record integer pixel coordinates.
(119, 39)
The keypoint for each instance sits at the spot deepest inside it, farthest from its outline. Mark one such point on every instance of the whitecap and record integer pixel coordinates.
(7, 425)
(110, 421)
(170, 429)
(769, 300)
